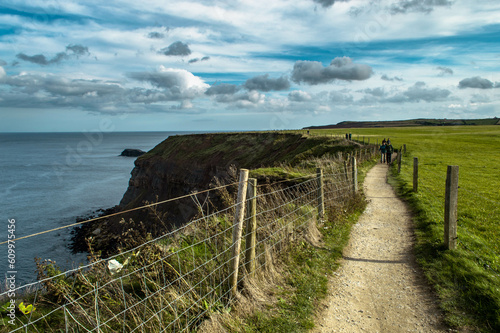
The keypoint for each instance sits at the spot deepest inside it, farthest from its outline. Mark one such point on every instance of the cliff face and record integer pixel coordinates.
(183, 164)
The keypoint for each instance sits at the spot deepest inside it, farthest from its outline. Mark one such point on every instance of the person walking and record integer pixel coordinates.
(382, 152)
(388, 152)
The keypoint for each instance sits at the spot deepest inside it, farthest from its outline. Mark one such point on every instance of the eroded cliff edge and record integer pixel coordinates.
(184, 164)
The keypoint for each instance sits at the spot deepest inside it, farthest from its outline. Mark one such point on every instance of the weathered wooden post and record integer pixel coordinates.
(354, 175)
(237, 231)
(251, 214)
(400, 152)
(345, 172)
(450, 207)
(321, 193)
(415, 174)
(404, 148)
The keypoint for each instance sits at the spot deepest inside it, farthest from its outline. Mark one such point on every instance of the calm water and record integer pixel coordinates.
(48, 179)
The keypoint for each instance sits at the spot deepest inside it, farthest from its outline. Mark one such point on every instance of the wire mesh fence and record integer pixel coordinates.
(172, 283)
(475, 215)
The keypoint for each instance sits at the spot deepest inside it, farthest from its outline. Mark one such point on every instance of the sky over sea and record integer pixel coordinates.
(217, 65)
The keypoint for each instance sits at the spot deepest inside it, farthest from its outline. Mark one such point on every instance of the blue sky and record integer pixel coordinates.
(244, 65)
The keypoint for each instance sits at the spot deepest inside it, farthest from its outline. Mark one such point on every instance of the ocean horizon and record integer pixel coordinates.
(51, 178)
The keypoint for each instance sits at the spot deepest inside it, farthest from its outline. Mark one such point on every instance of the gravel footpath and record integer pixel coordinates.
(379, 287)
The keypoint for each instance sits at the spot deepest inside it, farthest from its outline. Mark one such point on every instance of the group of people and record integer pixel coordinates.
(386, 151)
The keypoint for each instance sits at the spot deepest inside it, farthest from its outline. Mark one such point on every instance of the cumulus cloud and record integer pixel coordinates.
(338, 97)
(222, 89)
(313, 72)
(421, 6)
(419, 92)
(52, 91)
(477, 82)
(176, 49)
(444, 71)
(180, 83)
(72, 50)
(328, 3)
(264, 83)
(49, 91)
(378, 92)
(243, 99)
(386, 78)
(299, 96)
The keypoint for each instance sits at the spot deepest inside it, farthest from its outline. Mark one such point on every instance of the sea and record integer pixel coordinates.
(47, 180)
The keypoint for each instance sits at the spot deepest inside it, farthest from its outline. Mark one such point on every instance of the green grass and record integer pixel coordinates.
(307, 271)
(466, 279)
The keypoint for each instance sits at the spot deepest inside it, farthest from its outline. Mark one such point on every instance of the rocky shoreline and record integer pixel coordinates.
(79, 234)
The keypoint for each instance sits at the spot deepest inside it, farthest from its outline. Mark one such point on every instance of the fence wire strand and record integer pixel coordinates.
(171, 283)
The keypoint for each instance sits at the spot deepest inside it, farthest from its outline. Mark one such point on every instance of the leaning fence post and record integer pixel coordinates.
(450, 207)
(354, 175)
(237, 231)
(415, 174)
(321, 194)
(251, 226)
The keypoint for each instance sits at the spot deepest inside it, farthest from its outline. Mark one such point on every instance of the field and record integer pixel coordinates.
(467, 279)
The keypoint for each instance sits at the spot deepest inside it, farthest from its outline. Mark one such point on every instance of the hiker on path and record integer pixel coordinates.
(388, 152)
(382, 152)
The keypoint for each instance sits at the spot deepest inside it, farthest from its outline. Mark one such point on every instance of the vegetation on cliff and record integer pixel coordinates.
(184, 164)
(179, 280)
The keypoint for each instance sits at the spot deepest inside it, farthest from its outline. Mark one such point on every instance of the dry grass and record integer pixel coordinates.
(179, 282)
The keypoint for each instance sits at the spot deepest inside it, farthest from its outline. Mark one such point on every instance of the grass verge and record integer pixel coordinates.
(469, 293)
(306, 269)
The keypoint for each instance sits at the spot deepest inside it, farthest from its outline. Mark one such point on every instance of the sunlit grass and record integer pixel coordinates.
(467, 279)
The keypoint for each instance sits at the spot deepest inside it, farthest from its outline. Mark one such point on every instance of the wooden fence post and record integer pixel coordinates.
(345, 172)
(237, 231)
(400, 152)
(415, 174)
(251, 211)
(354, 175)
(321, 194)
(450, 207)
(404, 148)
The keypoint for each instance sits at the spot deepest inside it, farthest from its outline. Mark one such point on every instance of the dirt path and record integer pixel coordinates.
(379, 287)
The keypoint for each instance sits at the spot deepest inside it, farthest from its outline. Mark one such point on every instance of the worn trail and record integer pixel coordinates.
(379, 287)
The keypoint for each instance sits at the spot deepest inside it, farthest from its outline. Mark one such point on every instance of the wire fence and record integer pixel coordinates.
(174, 282)
(476, 213)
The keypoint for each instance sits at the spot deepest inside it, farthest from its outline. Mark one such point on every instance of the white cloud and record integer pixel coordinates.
(299, 96)
(178, 81)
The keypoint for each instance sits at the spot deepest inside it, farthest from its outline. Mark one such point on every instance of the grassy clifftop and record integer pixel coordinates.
(184, 164)
(249, 150)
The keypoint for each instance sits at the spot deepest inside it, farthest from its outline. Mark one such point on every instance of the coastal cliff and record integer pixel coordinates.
(184, 164)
